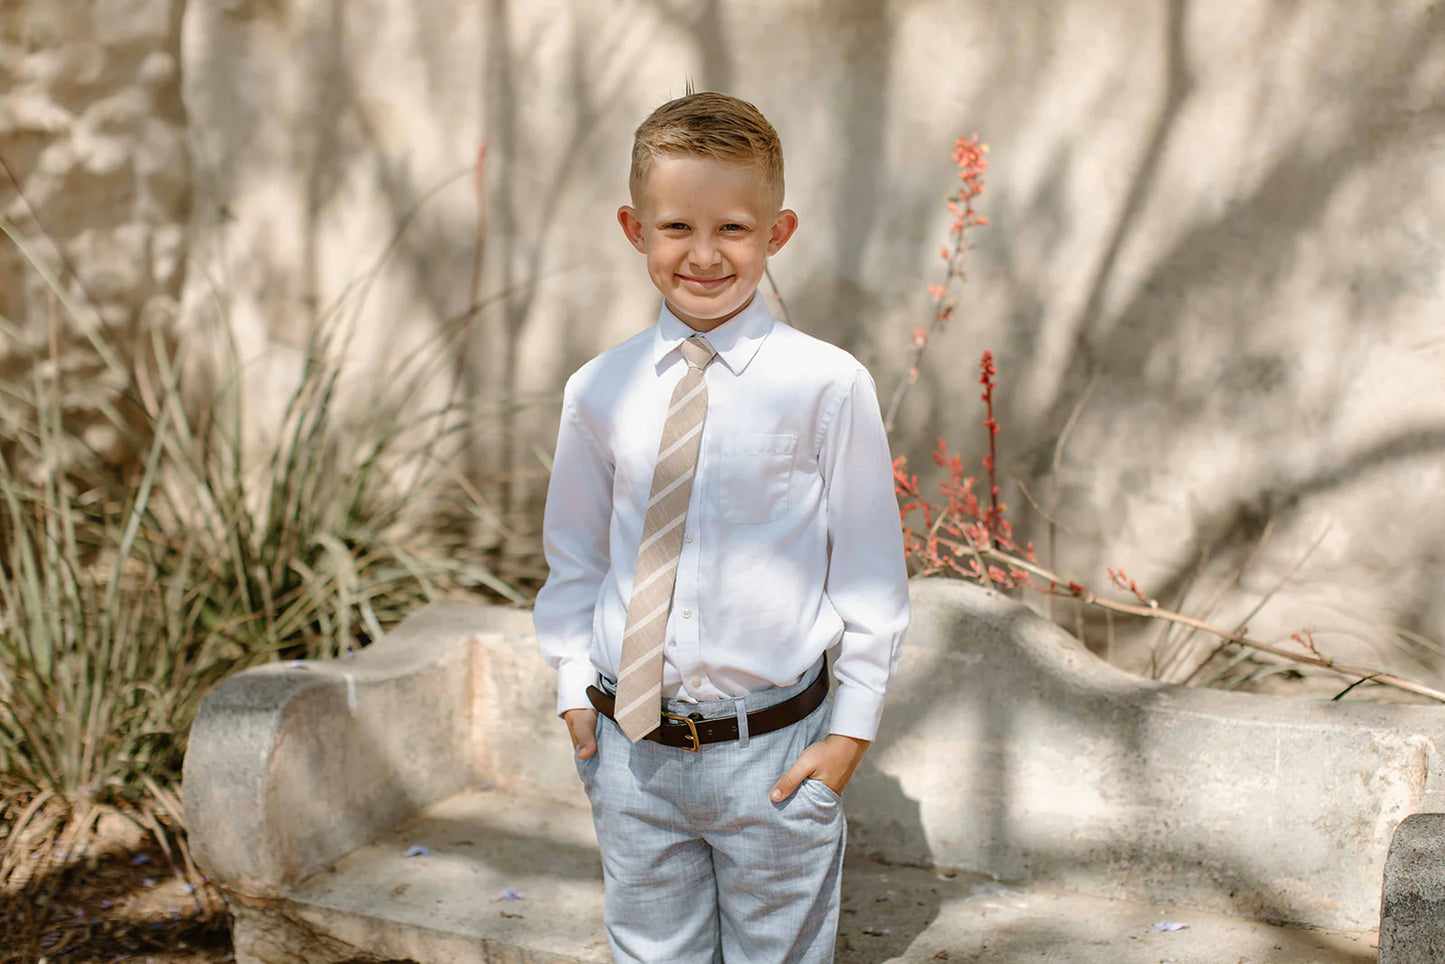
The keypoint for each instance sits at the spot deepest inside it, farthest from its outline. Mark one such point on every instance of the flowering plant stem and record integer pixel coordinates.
(968, 154)
(923, 336)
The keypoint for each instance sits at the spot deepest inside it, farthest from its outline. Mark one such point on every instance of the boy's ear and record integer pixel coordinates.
(631, 226)
(783, 227)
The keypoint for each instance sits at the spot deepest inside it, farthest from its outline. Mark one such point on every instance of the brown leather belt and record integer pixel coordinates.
(691, 731)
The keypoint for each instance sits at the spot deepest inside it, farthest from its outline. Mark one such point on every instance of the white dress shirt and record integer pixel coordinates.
(792, 541)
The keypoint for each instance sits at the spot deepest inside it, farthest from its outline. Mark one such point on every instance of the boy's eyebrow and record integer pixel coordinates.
(740, 218)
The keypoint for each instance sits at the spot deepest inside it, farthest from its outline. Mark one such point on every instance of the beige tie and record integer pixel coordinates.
(639, 678)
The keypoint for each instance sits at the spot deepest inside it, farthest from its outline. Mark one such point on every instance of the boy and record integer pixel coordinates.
(721, 513)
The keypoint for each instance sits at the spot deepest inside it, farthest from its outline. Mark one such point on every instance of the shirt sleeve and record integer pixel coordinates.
(867, 581)
(575, 539)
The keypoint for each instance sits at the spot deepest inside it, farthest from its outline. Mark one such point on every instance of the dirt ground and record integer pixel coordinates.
(121, 900)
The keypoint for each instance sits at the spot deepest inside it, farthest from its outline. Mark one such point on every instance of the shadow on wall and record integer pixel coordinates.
(337, 158)
(1218, 274)
(1204, 349)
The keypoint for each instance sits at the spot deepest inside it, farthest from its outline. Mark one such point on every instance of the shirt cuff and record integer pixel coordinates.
(856, 712)
(573, 678)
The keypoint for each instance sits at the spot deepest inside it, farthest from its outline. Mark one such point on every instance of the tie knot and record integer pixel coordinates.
(698, 351)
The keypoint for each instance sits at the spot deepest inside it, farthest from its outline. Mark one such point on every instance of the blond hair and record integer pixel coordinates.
(711, 125)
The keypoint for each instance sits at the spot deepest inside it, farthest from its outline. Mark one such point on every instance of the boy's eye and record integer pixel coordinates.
(675, 226)
(733, 228)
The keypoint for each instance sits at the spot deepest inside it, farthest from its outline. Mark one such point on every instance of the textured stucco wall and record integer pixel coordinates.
(96, 181)
(1221, 225)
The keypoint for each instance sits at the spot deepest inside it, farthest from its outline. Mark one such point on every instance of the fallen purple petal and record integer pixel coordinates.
(511, 893)
(417, 850)
(1170, 925)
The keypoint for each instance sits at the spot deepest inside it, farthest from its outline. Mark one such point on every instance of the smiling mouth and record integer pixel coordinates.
(706, 283)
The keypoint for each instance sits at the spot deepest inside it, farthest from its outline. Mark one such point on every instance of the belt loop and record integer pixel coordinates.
(742, 712)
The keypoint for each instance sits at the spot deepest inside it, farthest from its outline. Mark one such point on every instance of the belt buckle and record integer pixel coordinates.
(691, 730)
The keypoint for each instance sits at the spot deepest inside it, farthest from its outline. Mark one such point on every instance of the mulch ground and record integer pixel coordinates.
(119, 901)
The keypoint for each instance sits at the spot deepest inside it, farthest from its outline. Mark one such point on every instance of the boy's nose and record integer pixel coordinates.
(703, 254)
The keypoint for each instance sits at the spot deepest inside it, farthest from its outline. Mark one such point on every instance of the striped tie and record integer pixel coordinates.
(639, 678)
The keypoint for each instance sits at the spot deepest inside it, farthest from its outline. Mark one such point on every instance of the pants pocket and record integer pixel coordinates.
(587, 769)
(820, 792)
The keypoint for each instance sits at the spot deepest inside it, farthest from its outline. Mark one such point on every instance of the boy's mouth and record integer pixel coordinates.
(704, 284)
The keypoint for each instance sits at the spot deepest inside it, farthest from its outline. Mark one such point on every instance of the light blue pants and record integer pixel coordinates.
(699, 865)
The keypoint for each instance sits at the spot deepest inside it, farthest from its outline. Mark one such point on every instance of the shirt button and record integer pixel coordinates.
(687, 537)
(687, 614)
(695, 682)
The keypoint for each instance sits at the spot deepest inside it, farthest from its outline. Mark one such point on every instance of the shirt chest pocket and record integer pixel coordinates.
(756, 474)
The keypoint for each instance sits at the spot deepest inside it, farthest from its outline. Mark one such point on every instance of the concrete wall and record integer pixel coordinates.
(96, 182)
(1216, 235)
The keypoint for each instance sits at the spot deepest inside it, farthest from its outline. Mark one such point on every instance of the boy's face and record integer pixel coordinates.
(707, 229)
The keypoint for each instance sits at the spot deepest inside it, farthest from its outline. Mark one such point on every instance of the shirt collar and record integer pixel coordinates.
(736, 340)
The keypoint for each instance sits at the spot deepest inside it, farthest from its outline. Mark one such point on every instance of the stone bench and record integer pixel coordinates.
(1007, 750)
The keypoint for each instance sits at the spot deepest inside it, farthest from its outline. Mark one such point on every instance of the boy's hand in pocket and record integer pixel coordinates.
(832, 761)
(582, 725)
